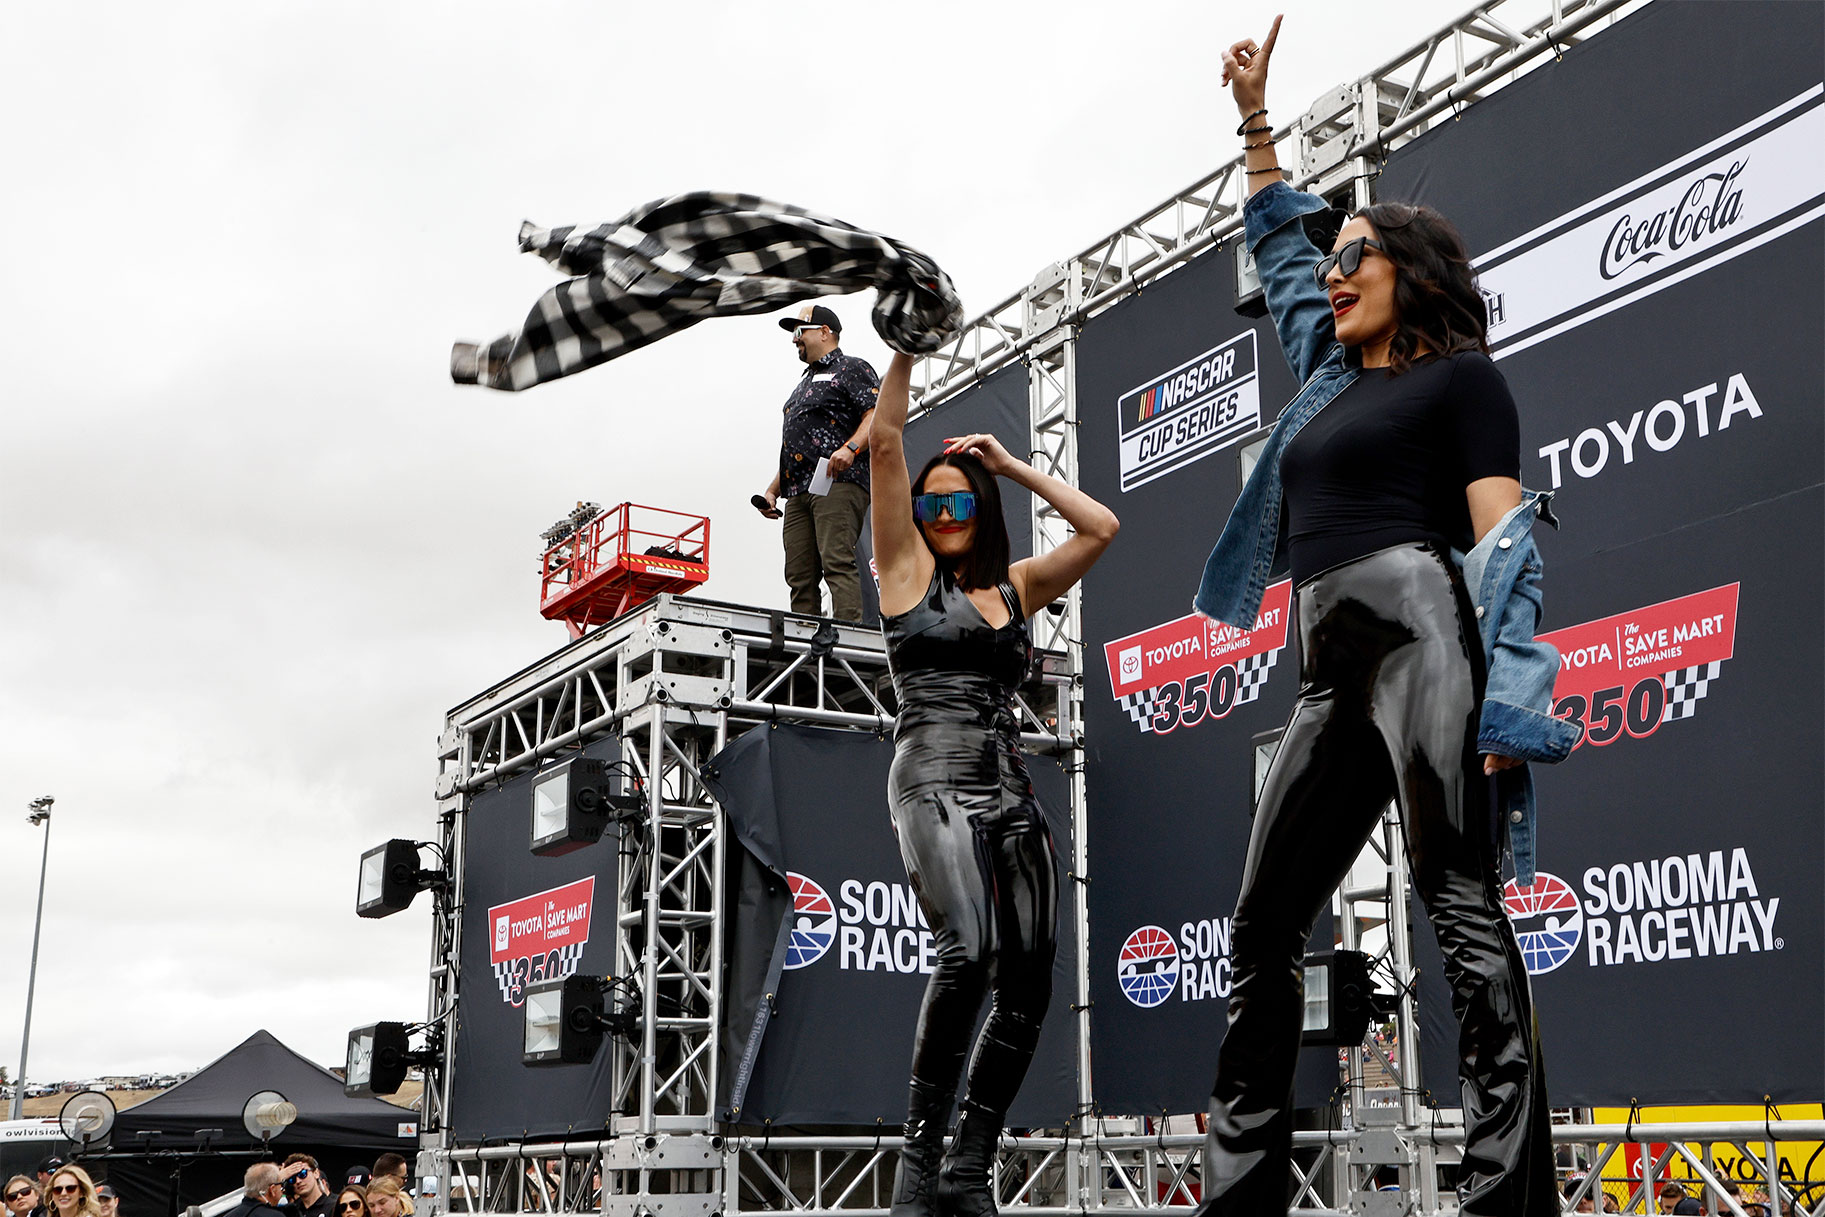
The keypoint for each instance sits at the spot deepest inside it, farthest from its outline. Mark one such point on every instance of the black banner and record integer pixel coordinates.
(527, 919)
(1172, 385)
(848, 974)
(1656, 307)
(997, 406)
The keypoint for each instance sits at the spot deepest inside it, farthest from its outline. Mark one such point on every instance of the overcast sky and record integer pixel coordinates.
(255, 542)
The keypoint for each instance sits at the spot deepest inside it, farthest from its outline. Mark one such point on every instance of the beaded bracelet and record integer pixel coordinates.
(1251, 118)
(1257, 131)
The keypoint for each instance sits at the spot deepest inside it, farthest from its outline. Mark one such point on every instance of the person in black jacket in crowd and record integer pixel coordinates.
(304, 1186)
(261, 1193)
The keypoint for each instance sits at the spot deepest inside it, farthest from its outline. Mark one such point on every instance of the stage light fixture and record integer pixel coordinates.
(567, 1018)
(379, 1056)
(267, 1114)
(1339, 999)
(390, 877)
(574, 803)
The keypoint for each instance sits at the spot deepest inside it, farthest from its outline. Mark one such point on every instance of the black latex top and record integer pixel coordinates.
(949, 665)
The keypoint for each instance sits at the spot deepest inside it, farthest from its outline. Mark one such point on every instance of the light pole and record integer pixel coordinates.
(40, 814)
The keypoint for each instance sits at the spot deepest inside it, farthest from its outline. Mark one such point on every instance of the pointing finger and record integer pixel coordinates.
(1267, 48)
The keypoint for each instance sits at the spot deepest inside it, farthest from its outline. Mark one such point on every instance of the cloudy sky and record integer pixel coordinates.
(255, 544)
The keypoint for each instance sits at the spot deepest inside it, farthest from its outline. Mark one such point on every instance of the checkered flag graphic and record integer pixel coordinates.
(1252, 673)
(1139, 707)
(1685, 687)
(569, 958)
(666, 266)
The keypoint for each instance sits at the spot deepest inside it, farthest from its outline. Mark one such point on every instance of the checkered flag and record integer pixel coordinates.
(1252, 673)
(570, 957)
(668, 265)
(1685, 687)
(1139, 707)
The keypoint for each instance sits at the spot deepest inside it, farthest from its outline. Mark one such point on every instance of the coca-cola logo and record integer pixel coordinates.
(1712, 203)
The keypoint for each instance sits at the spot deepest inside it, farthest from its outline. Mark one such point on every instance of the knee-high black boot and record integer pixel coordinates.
(915, 1180)
(966, 1183)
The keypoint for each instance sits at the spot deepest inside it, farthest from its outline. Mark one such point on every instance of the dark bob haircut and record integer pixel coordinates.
(986, 564)
(1435, 293)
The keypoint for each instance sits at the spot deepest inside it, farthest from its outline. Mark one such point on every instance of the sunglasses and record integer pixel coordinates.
(1347, 260)
(349, 1206)
(21, 1194)
(800, 330)
(960, 503)
(64, 1189)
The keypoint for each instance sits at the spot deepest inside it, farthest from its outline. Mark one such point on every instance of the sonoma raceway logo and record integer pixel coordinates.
(1186, 671)
(1684, 906)
(1629, 673)
(1201, 406)
(874, 926)
(1153, 967)
(539, 937)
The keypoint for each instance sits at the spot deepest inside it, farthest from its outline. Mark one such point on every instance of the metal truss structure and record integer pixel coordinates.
(677, 679)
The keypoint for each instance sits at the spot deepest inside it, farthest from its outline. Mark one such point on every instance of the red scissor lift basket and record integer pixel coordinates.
(620, 560)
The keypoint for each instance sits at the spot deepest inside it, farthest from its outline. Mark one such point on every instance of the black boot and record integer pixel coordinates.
(966, 1182)
(928, 1110)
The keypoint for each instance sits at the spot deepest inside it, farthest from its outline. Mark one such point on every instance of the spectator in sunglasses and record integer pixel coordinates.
(396, 1168)
(352, 1202)
(975, 842)
(827, 418)
(22, 1197)
(304, 1186)
(108, 1198)
(72, 1193)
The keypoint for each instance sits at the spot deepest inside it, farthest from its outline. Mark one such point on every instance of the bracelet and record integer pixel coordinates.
(1258, 131)
(1269, 169)
(1266, 143)
(1251, 118)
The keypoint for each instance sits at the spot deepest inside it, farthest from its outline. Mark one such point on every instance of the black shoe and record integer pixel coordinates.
(916, 1177)
(966, 1181)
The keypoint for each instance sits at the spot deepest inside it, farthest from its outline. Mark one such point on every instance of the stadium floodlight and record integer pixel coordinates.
(1338, 998)
(566, 1020)
(573, 804)
(390, 877)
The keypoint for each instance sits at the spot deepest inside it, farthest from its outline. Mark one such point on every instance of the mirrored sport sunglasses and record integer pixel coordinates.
(1347, 260)
(960, 503)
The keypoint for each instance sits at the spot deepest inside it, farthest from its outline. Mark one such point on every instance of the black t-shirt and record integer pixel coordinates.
(1386, 462)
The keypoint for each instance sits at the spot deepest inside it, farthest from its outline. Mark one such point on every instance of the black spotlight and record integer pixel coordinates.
(566, 1020)
(380, 1055)
(573, 804)
(1338, 998)
(390, 877)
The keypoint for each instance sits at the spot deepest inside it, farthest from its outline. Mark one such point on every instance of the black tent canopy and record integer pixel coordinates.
(164, 1173)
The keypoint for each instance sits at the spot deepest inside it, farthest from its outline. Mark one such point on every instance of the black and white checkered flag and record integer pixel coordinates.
(668, 265)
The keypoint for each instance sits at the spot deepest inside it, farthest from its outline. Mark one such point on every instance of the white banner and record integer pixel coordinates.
(1752, 186)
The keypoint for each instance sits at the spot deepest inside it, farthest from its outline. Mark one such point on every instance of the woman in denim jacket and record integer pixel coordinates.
(1401, 451)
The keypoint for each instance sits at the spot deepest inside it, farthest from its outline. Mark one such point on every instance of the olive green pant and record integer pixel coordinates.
(820, 534)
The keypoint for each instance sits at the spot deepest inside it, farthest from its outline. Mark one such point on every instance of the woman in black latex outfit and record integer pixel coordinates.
(1418, 682)
(974, 841)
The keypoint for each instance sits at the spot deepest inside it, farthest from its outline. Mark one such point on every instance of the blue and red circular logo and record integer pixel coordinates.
(1149, 966)
(813, 922)
(1548, 921)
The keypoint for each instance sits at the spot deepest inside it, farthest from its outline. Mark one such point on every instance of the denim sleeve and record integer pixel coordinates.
(1517, 717)
(1284, 257)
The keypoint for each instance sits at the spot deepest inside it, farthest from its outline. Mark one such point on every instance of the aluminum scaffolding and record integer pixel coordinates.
(678, 678)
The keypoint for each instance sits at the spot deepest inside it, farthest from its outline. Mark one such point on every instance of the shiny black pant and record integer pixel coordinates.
(980, 857)
(1391, 686)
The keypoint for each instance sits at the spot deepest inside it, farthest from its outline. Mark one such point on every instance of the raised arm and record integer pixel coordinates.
(1276, 236)
(1045, 577)
(903, 564)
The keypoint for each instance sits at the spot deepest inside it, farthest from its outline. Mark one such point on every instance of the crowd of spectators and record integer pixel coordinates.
(293, 1188)
(1672, 1197)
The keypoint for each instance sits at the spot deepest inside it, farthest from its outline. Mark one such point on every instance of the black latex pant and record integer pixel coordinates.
(1391, 685)
(980, 857)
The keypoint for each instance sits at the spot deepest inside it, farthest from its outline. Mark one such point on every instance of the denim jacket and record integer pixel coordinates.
(1502, 572)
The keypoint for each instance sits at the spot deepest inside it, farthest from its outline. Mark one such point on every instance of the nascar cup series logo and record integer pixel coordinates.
(1184, 415)
(813, 922)
(1186, 671)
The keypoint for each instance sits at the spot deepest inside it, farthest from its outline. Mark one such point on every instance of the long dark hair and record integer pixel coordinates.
(1435, 293)
(986, 564)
